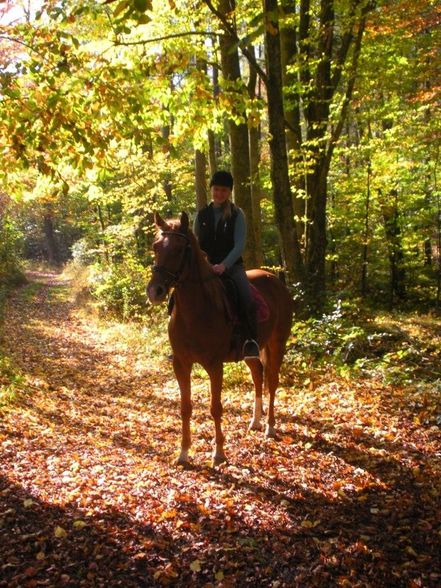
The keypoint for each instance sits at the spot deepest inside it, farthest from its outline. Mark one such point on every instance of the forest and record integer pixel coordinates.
(326, 112)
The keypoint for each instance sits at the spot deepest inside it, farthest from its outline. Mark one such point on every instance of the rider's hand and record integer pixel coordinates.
(218, 268)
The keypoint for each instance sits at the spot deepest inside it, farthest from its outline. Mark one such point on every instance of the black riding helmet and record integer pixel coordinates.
(222, 178)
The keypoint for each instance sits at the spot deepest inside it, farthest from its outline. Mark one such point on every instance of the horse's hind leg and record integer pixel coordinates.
(274, 357)
(183, 375)
(216, 377)
(256, 369)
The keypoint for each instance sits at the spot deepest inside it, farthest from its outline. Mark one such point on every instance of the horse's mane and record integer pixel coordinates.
(200, 269)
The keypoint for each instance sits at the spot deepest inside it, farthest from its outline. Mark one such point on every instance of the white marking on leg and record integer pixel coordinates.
(218, 455)
(183, 456)
(270, 432)
(257, 415)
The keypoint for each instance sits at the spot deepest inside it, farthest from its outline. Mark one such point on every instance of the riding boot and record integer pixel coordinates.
(250, 348)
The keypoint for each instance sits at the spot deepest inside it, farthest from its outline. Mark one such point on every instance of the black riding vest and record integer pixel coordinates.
(218, 243)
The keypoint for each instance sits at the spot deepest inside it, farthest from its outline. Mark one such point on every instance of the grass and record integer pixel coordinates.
(11, 382)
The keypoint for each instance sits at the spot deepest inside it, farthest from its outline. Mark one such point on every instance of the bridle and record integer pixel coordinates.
(174, 277)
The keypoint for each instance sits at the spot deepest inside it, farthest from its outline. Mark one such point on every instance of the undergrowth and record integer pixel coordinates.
(11, 381)
(398, 348)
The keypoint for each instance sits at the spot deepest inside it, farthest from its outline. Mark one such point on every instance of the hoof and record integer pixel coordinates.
(183, 459)
(255, 426)
(184, 465)
(218, 460)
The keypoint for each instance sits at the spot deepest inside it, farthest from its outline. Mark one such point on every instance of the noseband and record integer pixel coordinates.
(174, 277)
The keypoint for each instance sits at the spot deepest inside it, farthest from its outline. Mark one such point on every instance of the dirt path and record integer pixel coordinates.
(89, 495)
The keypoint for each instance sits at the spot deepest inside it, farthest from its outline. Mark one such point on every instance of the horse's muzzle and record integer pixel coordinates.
(156, 293)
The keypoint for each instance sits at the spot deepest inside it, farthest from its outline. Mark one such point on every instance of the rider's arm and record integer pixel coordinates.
(240, 234)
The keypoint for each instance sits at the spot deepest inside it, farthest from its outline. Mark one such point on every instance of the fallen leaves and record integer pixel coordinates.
(89, 495)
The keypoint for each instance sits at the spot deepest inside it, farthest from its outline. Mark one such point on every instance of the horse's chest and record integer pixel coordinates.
(199, 339)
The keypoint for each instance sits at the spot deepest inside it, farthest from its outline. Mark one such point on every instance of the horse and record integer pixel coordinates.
(200, 328)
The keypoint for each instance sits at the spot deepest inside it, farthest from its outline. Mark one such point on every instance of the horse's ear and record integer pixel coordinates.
(159, 221)
(184, 222)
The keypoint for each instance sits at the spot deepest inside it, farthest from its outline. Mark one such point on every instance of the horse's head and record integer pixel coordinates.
(172, 250)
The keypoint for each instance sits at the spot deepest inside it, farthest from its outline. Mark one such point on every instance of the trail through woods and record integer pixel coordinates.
(90, 496)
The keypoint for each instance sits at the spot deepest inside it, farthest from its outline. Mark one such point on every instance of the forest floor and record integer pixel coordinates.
(89, 494)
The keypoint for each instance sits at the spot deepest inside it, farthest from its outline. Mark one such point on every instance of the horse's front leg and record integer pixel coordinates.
(216, 377)
(183, 375)
(256, 369)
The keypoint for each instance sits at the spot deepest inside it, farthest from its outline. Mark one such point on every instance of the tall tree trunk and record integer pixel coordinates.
(438, 228)
(238, 133)
(256, 192)
(364, 265)
(167, 183)
(212, 165)
(392, 230)
(200, 164)
(282, 196)
(289, 38)
(316, 239)
(52, 248)
(103, 229)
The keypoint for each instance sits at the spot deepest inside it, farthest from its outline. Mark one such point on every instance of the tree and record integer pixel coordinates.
(279, 162)
(132, 105)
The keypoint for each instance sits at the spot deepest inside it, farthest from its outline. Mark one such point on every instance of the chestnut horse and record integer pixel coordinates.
(200, 331)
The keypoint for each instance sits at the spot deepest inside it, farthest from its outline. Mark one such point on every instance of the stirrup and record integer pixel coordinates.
(250, 349)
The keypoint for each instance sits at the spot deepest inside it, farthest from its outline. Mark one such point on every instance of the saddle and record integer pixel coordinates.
(233, 308)
(235, 314)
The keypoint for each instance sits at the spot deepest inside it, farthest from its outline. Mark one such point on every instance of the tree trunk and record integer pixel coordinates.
(283, 206)
(396, 256)
(321, 58)
(200, 164)
(238, 133)
(167, 183)
(366, 232)
(212, 165)
(316, 239)
(256, 192)
(52, 249)
(438, 228)
(289, 38)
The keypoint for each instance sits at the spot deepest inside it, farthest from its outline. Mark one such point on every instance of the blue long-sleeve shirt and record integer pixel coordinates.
(240, 232)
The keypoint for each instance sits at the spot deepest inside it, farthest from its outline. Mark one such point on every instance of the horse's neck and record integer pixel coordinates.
(201, 292)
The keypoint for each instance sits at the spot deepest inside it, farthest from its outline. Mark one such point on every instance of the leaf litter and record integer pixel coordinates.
(90, 496)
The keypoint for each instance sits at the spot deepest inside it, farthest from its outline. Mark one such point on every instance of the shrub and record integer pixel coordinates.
(119, 288)
(10, 247)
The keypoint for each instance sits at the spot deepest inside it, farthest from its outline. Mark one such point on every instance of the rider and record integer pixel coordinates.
(221, 230)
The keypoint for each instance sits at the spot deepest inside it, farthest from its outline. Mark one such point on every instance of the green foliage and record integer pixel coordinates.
(10, 381)
(119, 289)
(328, 338)
(104, 103)
(388, 158)
(10, 248)
(358, 342)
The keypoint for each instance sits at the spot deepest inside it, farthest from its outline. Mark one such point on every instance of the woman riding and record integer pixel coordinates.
(221, 230)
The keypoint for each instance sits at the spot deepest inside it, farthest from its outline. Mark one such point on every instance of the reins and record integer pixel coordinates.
(176, 276)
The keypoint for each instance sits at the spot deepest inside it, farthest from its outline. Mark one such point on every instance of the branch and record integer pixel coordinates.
(348, 94)
(233, 34)
(347, 39)
(166, 37)
(20, 42)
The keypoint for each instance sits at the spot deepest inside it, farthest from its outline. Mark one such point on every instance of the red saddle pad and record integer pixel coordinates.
(262, 309)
